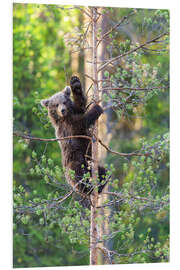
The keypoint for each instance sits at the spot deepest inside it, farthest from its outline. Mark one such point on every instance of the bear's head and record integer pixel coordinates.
(59, 105)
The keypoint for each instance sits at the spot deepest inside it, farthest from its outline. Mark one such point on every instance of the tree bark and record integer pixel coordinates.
(94, 196)
(105, 136)
(87, 57)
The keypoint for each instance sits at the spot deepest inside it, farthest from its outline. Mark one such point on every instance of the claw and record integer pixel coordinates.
(75, 84)
(74, 79)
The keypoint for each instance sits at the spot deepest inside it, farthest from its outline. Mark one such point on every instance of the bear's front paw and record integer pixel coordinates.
(75, 84)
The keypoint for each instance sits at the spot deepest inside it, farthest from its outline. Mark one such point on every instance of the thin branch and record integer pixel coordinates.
(107, 253)
(75, 51)
(89, 89)
(120, 104)
(130, 88)
(114, 27)
(58, 200)
(76, 7)
(160, 50)
(84, 11)
(122, 154)
(82, 137)
(65, 8)
(89, 77)
(65, 197)
(125, 255)
(131, 51)
(87, 30)
(113, 202)
(50, 140)
(119, 195)
(114, 106)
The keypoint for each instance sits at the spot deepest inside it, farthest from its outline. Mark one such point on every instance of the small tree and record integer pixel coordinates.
(139, 193)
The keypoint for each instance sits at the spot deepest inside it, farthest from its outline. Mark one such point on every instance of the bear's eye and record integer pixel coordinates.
(57, 105)
(64, 103)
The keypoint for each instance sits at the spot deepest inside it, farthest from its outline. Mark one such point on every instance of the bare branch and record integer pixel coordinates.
(65, 197)
(75, 51)
(130, 88)
(50, 140)
(115, 27)
(113, 202)
(57, 200)
(82, 137)
(87, 30)
(122, 154)
(84, 11)
(111, 252)
(107, 253)
(76, 7)
(90, 77)
(122, 196)
(131, 51)
(114, 106)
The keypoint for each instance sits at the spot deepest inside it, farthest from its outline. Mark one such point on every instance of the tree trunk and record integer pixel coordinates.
(105, 136)
(94, 196)
(87, 57)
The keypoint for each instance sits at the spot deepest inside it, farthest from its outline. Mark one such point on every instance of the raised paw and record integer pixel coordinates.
(75, 85)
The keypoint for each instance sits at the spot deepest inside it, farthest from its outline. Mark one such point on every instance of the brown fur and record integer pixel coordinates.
(70, 118)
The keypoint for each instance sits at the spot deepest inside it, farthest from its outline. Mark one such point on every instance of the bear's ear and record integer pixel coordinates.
(45, 102)
(67, 91)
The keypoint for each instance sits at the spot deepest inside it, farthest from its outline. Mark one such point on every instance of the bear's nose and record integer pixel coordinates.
(63, 111)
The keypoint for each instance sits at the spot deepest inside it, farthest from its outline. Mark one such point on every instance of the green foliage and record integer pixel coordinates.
(136, 224)
(38, 71)
(47, 231)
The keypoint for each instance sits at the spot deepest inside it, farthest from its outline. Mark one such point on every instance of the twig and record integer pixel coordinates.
(87, 30)
(75, 51)
(51, 140)
(75, 7)
(122, 154)
(119, 195)
(84, 11)
(82, 137)
(130, 88)
(91, 78)
(128, 254)
(114, 27)
(58, 200)
(66, 196)
(113, 202)
(131, 51)
(107, 253)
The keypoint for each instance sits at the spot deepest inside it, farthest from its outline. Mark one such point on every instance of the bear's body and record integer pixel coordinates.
(71, 119)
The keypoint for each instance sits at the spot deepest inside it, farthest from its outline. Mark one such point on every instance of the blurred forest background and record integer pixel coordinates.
(44, 58)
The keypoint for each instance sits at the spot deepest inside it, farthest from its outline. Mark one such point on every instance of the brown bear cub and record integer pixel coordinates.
(70, 118)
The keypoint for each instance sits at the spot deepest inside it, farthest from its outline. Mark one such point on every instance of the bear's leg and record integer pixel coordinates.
(79, 97)
(102, 177)
(92, 115)
(84, 186)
